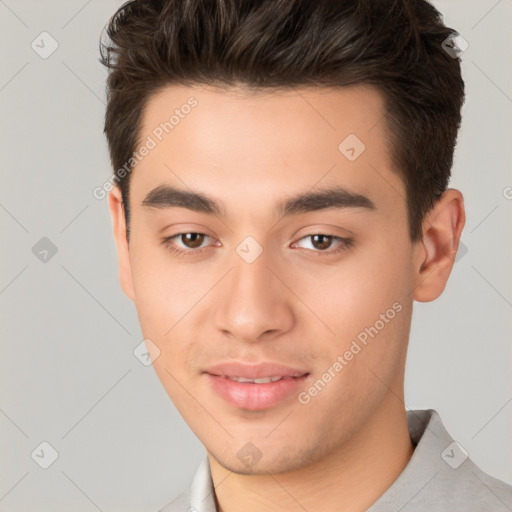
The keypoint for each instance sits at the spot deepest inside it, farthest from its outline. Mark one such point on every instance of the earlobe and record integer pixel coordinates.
(115, 203)
(437, 249)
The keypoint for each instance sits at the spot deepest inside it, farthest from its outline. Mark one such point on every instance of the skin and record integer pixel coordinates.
(294, 304)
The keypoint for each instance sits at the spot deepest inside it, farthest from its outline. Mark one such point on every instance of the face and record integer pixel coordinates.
(296, 264)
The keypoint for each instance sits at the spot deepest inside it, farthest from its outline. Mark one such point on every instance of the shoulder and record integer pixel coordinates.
(441, 476)
(469, 486)
(457, 479)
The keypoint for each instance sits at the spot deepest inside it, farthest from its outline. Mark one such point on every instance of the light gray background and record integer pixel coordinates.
(68, 373)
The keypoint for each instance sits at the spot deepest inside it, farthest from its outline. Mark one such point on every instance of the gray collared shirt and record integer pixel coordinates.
(439, 477)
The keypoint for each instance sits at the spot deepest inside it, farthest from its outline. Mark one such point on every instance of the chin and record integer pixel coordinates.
(285, 461)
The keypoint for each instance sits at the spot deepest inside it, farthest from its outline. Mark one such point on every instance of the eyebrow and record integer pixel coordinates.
(332, 198)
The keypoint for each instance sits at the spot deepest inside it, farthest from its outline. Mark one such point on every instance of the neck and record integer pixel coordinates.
(351, 478)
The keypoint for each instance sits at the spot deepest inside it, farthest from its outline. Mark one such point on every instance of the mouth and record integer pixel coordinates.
(263, 380)
(255, 387)
(253, 372)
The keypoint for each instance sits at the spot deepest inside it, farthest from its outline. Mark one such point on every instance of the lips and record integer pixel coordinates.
(255, 387)
(255, 371)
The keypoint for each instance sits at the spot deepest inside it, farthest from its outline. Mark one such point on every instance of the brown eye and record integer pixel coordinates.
(186, 244)
(192, 240)
(321, 242)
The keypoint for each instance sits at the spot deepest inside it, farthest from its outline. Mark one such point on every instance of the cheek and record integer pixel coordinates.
(369, 312)
(366, 305)
(169, 296)
(351, 294)
(161, 293)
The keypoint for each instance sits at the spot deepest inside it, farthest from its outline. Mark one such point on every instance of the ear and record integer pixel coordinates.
(435, 252)
(115, 204)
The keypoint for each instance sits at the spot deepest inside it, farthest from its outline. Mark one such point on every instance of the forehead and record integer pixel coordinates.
(324, 113)
(265, 142)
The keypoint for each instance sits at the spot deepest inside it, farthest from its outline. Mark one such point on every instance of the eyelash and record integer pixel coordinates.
(343, 244)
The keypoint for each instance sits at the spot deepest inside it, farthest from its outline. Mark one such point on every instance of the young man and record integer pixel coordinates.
(280, 201)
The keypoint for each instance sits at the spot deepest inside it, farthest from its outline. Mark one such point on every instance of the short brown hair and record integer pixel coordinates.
(395, 45)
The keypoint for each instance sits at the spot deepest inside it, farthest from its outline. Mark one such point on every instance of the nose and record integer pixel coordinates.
(253, 304)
